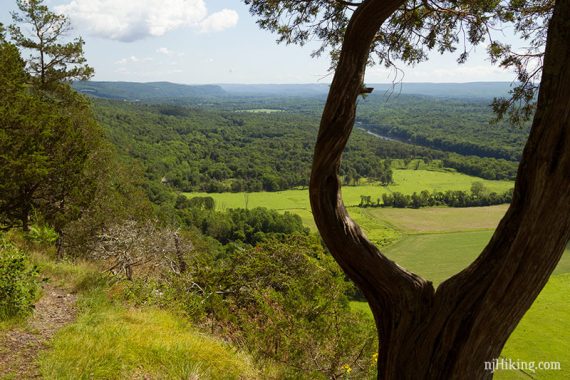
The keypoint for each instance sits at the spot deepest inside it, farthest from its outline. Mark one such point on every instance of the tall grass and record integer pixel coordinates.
(110, 341)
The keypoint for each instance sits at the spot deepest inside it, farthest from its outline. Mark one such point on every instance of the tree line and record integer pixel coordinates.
(479, 196)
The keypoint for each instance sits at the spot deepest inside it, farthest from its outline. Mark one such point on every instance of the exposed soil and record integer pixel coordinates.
(20, 347)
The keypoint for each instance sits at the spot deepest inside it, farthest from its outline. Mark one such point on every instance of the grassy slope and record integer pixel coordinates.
(111, 340)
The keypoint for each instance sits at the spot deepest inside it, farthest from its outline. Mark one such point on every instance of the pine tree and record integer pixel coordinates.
(52, 61)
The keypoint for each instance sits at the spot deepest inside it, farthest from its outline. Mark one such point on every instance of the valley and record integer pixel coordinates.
(155, 220)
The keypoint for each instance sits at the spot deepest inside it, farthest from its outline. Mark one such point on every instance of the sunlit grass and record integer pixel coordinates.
(544, 333)
(406, 182)
(109, 341)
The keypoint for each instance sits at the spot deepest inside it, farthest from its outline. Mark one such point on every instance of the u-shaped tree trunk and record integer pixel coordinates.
(449, 333)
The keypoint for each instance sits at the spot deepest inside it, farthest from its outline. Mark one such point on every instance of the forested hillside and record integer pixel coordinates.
(460, 125)
(226, 147)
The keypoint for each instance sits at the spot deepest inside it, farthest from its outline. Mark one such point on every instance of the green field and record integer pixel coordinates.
(544, 333)
(406, 182)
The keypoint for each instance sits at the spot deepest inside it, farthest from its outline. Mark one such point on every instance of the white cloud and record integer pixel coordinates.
(131, 20)
(169, 53)
(132, 59)
(164, 51)
(216, 22)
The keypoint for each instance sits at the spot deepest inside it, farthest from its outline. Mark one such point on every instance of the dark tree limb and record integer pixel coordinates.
(449, 334)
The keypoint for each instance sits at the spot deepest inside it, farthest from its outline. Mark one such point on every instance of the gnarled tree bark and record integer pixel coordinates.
(451, 332)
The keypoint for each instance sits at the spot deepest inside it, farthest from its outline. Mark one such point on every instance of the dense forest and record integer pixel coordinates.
(464, 126)
(223, 147)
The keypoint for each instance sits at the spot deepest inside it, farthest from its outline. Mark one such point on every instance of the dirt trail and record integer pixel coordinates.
(19, 348)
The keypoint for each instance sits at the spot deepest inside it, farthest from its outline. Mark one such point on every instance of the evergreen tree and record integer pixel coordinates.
(52, 61)
(48, 134)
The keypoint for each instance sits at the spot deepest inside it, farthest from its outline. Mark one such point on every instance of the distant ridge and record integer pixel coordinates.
(447, 90)
(155, 91)
(451, 90)
(145, 91)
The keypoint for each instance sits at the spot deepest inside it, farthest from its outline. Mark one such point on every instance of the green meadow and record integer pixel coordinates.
(406, 182)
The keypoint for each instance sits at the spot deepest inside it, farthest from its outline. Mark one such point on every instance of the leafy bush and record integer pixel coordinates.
(284, 300)
(18, 283)
(42, 234)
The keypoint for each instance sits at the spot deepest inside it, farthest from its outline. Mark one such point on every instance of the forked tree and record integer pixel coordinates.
(451, 331)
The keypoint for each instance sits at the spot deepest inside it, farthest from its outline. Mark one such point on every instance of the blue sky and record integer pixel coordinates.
(216, 41)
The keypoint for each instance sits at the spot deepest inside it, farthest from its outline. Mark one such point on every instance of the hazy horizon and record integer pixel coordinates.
(209, 42)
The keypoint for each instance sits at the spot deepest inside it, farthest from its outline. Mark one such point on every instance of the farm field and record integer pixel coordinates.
(406, 182)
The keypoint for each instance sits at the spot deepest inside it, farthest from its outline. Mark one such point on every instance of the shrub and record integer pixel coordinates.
(18, 283)
(285, 300)
(42, 234)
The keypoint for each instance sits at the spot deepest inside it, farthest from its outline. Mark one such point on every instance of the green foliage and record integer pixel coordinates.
(118, 195)
(205, 203)
(457, 198)
(241, 225)
(285, 301)
(454, 125)
(47, 141)
(218, 148)
(18, 282)
(42, 234)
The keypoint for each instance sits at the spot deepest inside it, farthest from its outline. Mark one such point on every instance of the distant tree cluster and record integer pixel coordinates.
(477, 197)
(238, 225)
(487, 168)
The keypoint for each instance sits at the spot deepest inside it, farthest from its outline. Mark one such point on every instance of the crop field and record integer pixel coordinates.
(438, 219)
